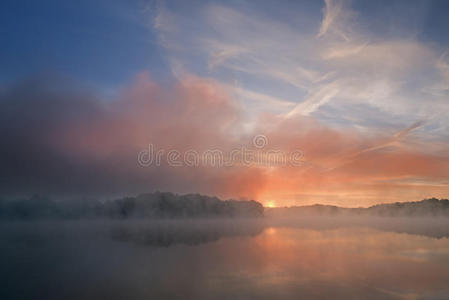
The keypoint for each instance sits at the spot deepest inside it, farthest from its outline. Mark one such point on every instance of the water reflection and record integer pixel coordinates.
(192, 233)
(432, 227)
(351, 263)
(270, 259)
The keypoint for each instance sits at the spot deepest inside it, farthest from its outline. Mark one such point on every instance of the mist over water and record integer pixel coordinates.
(269, 258)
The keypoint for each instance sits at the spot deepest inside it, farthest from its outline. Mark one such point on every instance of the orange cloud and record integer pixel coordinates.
(93, 145)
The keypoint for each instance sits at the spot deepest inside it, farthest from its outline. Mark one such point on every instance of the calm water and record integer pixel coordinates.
(265, 259)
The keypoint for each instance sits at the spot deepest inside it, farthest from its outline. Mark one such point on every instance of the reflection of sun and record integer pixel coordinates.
(270, 204)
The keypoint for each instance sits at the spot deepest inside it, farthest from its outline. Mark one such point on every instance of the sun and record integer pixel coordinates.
(270, 204)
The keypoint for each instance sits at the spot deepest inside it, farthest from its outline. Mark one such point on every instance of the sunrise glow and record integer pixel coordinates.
(270, 204)
(210, 149)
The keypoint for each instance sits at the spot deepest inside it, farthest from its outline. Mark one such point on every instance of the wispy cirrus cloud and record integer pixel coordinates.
(274, 57)
(335, 19)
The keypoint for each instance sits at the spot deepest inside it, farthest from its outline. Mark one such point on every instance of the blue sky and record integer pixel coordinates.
(109, 41)
(101, 42)
(106, 43)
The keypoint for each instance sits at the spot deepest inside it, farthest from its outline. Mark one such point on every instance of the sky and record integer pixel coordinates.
(359, 88)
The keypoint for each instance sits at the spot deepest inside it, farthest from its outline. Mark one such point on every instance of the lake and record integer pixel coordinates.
(307, 258)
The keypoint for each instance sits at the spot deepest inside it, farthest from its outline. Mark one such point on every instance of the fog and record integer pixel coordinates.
(146, 206)
(261, 258)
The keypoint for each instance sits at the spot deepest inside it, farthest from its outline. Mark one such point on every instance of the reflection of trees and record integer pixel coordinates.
(190, 232)
(169, 233)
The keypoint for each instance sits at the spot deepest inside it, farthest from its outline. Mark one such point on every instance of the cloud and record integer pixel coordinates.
(335, 17)
(347, 65)
(61, 139)
(315, 100)
(348, 98)
(351, 168)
